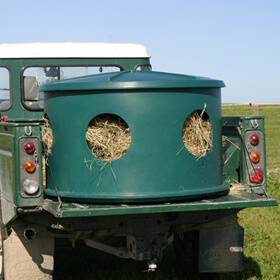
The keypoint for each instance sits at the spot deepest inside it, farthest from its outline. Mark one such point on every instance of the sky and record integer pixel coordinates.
(237, 41)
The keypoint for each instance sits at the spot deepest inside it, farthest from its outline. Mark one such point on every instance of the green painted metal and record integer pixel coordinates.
(235, 149)
(251, 124)
(232, 149)
(157, 166)
(10, 134)
(231, 201)
(7, 171)
(231, 168)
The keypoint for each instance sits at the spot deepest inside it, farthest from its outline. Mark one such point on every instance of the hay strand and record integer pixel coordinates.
(197, 133)
(226, 140)
(47, 136)
(108, 137)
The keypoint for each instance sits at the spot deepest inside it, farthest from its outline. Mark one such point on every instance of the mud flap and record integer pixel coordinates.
(221, 246)
(27, 259)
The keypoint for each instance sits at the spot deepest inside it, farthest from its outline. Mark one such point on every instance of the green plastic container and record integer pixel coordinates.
(157, 165)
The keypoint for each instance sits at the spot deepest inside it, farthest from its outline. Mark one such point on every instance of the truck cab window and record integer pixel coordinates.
(34, 77)
(143, 67)
(5, 90)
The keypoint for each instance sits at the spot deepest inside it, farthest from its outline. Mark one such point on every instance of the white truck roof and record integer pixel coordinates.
(72, 50)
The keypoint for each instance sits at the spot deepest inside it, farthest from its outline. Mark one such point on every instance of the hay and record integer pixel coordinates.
(197, 133)
(47, 136)
(224, 140)
(237, 188)
(108, 137)
(44, 172)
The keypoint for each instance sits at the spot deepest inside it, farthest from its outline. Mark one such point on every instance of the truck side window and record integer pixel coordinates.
(5, 90)
(34, 77)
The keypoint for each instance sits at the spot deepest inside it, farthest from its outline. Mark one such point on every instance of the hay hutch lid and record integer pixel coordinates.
(133, 80)
(157, 165)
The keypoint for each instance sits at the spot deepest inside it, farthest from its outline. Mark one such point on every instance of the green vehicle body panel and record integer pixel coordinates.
(10, 135)
(236, 169)
(230, 201)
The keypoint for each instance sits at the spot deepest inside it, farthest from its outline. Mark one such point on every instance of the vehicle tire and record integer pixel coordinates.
(186, 251)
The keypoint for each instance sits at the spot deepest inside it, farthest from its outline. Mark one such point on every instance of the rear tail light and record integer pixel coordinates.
(256, 175)
(254, 139)
(30, 173)
(30, 186)
(255, 157)
(30, 166)
(29, 147)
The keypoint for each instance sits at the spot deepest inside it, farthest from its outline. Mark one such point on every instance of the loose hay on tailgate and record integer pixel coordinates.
(108, 137)
(197, 133)
(237, 188)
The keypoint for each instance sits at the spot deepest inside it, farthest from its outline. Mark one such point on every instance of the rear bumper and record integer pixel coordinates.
(230, 201)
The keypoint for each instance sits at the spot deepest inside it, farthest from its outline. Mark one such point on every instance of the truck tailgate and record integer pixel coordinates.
(230, 201)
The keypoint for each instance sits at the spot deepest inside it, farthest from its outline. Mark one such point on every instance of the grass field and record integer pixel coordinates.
(262, 231)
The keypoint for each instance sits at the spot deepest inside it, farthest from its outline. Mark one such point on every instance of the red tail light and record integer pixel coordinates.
(256, 175)
(29, 147)
(254, 139)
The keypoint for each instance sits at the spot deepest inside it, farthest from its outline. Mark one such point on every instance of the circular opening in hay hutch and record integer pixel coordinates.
(47, 136)
(108, 137)
(197, 133)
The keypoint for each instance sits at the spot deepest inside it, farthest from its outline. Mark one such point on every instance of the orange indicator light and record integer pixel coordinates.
(30, 166)
(255, 157)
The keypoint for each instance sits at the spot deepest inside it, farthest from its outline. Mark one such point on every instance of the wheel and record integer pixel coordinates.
(186, 250)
